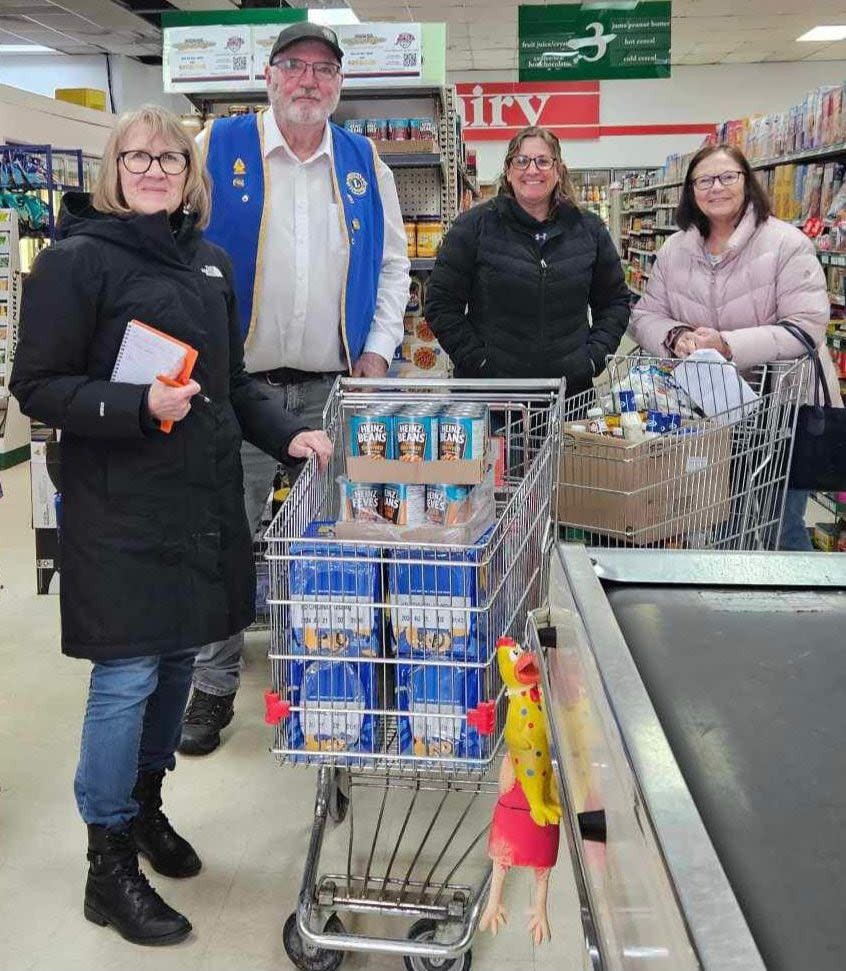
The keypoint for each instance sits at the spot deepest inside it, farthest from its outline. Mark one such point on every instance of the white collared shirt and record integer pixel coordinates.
(299, 298)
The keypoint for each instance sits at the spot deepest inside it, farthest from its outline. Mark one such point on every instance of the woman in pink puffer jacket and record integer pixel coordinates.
(727, 281)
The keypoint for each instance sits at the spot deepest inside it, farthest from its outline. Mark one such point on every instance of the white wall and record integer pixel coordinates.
(133, 83)
(693, 95)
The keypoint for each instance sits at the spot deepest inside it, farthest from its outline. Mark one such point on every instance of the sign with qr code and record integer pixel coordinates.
(207, 55)
(381, 53)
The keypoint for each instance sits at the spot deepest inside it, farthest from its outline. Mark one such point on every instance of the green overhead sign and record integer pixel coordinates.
(589, 42)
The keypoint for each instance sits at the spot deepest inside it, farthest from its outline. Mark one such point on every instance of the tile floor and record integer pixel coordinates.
(248, 818)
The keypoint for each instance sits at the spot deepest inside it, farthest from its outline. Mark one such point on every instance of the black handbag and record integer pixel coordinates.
(819, 448)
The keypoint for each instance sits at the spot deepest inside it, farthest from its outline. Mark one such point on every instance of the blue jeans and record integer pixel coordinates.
(218, 667)
(132, 724)
(794, 534)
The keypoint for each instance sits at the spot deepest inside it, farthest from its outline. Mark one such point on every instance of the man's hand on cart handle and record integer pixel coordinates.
(310, 443)
(370, 365)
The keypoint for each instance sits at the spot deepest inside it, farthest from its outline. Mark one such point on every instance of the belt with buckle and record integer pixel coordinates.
(290, 375)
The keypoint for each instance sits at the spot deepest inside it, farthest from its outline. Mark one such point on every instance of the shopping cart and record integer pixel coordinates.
(407, 755)
(717, 480)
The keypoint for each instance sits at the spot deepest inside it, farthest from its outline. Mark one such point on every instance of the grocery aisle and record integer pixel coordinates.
(248, 819)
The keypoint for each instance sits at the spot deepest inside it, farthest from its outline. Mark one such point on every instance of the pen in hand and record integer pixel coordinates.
(171, 383)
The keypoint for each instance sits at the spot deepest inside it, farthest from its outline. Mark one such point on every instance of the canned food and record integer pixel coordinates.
(430, 232)
(376, 128)
(416, 435)
(372, 434)
(410, 224)
(427, 129)
(414, 129)
(355, 125)
(461, 436)
(398, 129)
(447, 505)
(414, 307)
(361, 501)
(404, 504)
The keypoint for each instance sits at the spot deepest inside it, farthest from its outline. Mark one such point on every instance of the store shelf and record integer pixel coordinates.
(667, 229)
(422, 263)
(831, 258)
(643, 252)
(837, 300)
(407, 160)
(650, 188)
(667, 205)
(641, 232)
(636, 212)
(809, 155)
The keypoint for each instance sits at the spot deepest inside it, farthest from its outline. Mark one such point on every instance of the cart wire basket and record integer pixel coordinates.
(384, 677)
(716, 478)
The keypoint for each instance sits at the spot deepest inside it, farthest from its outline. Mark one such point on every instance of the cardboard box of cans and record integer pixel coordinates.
(417, 444)
(645, 491)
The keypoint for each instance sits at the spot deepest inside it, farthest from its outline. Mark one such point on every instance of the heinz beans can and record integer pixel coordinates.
(371, 435)
(416, 435)
(404, 504)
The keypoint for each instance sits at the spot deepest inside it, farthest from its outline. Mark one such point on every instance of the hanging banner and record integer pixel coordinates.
(566, 42)
(496, 111)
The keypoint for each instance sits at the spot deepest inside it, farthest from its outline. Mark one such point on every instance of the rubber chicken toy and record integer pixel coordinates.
(525, 731)
(524, 828)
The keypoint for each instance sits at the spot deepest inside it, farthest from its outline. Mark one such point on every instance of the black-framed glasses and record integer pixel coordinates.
(138, 162)
(293, 67)
(543, 163)
(705, 182)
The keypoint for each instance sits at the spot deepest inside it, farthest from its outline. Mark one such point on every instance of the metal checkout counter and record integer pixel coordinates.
(697, 703)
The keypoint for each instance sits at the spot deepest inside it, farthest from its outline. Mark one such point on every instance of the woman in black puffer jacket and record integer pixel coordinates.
(515, 278)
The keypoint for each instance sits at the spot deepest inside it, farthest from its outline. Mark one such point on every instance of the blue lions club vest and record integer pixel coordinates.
(240, 210)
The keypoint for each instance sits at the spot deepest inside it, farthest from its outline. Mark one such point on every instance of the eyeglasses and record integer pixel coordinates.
(293, 67)
(705, 182)
(543, 163)
(137, 162)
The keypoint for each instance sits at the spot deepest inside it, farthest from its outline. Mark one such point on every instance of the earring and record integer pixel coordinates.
(185, 209)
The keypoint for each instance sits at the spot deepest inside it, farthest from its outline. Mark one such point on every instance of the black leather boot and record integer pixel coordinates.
(203, 721)
(117, 893)
(168, 853)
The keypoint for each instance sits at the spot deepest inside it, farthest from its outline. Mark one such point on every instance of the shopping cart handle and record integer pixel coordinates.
(482, 717)
(275, 709)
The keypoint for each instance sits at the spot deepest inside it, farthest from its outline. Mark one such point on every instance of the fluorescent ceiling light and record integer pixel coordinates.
(610, 5)
(332, 17)
(835, 32)
(26, 49)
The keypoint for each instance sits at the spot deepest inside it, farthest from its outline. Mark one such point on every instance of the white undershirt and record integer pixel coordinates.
(299, 300)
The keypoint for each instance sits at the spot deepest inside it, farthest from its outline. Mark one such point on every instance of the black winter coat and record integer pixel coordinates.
(156, 553)
(509, 295)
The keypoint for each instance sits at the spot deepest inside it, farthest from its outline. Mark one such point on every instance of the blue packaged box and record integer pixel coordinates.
(334, 696)
(432, 705)
(435, 597)
(334, 591)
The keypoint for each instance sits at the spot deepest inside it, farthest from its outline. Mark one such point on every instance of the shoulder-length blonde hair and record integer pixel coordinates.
(196, 197)
(564, 191)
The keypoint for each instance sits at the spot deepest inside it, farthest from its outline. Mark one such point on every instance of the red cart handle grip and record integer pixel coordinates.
(482, 717)
(275, 709)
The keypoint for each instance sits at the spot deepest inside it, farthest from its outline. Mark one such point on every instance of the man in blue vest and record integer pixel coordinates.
(310, 217)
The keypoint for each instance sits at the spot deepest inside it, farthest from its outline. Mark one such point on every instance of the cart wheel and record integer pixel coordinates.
(308, 958)
(424, 930)
(339, 800)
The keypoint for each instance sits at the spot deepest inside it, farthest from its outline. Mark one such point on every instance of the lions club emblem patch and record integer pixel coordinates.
(356, 183)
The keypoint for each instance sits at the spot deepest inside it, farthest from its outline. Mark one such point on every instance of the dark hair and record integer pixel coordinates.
(563, 191)
(689, 214)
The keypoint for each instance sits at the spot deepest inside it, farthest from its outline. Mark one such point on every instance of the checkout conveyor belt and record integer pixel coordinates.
(750, 690)
(713, 707)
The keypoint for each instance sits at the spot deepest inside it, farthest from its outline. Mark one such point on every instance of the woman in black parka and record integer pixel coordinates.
(515, 277)
(156, 554)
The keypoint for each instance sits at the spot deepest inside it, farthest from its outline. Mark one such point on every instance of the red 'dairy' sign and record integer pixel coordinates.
(496, 111)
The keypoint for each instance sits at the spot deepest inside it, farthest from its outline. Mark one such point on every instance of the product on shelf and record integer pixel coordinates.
(430, 233)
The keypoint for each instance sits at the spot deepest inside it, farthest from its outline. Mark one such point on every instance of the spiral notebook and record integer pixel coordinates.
(146, 352)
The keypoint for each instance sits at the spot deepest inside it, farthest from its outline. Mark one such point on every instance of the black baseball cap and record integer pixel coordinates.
(303, 30)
